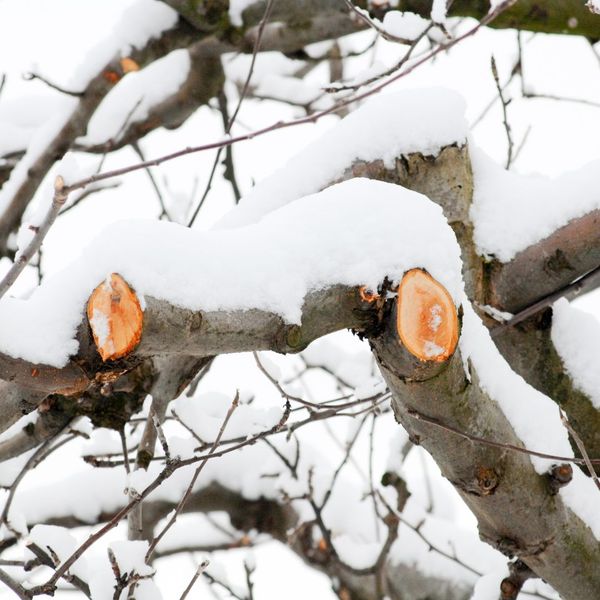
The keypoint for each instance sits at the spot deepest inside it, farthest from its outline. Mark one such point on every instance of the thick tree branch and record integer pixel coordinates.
(544, 16)
(204, 80)
(552, 263)
(515, 510)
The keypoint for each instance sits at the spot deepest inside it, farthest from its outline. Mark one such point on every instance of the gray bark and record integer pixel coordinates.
(517, 512)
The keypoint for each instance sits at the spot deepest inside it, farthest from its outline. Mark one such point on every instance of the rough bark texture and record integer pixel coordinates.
(447, 179)
(539, 270)
(544, 16)
(183, 335)
(529, 349)
(514, 507)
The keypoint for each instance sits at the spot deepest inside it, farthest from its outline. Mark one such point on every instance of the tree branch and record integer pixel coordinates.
(515, 510)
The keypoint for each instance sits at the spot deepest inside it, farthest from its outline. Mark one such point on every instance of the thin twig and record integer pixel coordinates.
(181, 504)
(580, 445)
(17, 588)
(60, 196)
(255, 50)
(502, 445)
(161, 201)
(229, 140)
(364, 17)
(504, 104)
(51, 84)
(201, 568)
(125, 451)
(572, 290)
(228, 160)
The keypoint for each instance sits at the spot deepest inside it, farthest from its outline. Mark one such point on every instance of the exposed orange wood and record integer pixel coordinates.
(116, 318)
(427, 320)
(367, 294)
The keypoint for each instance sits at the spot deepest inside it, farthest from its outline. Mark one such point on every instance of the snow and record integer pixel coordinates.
(140, 22)
(401, 229)
(61, 542)
(438, 11)
(132, 99)
(383, 128)
(288, 89)
(575, 334)
(150, 19)
(237, 66)
(101, 329)
(197, 530)
(236, 8)
(131, 556)
(487, 587)
(533, 416)
(269, 366)
(405, 25)
(511, 211)
(205, 415)
(594, 6)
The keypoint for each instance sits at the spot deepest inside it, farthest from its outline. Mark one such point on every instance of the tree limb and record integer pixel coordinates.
(515, 510)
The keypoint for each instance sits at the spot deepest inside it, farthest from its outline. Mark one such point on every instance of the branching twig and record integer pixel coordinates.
(229, 140)
(181, 504)
(504, 104)
(261, 27)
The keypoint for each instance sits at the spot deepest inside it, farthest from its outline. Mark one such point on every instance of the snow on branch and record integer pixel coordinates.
(355, 233)
(543, 205)
(383, 128)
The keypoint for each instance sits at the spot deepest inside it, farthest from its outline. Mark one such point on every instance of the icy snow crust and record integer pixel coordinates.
(383, 128)
(353, 233)
(511, 211)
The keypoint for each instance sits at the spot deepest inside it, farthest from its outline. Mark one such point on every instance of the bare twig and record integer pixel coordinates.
(588, 463)
(259, 35)
(17, 588)
(60, 196)
(228, 160)
(161, 201)
(229, 140)
(51, 84)
(181, 504)
(572, 290)
(364, 17)
(479, 440)
(201, 568)
(504, 104)
(125, 451)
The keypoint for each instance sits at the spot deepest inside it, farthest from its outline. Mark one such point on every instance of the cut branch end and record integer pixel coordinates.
(427, 320)
(115, 317)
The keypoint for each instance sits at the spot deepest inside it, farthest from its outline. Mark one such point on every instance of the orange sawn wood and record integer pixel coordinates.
(427, 320)
(116, 318)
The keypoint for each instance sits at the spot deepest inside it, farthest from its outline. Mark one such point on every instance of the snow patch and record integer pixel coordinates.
(402, 230)
(385, 127)
(575, 334)
(512, 211)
